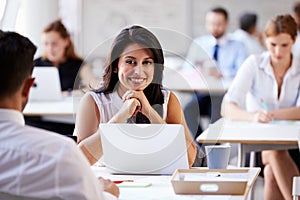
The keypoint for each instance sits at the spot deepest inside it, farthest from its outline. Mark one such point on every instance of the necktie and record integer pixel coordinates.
(215, 56)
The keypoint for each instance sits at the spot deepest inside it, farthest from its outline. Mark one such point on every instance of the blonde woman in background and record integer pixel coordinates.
(271, 78)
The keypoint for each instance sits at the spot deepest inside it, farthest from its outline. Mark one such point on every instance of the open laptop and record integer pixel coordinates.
(143, 148)
(46, 84)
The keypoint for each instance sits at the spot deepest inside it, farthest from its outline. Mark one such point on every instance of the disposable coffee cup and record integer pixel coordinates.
(217, 156)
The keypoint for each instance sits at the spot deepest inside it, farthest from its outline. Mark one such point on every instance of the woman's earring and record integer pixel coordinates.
(115, 70)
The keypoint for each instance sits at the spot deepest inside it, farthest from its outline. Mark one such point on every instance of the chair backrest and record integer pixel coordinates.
(296, 187)
(7, 196)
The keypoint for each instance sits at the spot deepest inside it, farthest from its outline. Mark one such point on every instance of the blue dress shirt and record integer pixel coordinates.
(231, 53)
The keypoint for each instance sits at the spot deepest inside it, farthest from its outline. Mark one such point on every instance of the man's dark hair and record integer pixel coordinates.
(297, 8)
(248, 21)
(221, 11)
(16, 62)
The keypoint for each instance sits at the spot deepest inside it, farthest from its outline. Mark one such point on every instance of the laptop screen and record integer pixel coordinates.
(143, 148)
(46, 84)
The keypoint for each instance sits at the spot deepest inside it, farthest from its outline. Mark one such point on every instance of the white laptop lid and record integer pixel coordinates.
(46, 84)
(143, 148)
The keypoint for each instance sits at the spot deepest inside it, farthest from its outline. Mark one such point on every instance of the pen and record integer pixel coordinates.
(264, 105)
(121, 181)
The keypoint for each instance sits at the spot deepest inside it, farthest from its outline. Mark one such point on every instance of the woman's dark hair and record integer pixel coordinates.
(135, 35)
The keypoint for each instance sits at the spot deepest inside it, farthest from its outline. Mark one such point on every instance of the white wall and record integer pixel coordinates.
(103, 19)
(265, 9)
(93, 22)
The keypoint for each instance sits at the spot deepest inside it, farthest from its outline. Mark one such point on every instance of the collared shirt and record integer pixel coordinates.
(296, 46)
(256, 80)
(41, 164)
(251, 43)
(231, 54)
(109, 104)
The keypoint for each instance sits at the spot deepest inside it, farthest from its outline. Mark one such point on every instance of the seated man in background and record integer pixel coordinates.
(248, 33)
(228, 55)
(35, 163)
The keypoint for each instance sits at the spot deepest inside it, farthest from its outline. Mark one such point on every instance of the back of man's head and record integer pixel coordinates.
(248, 21)
(16, 62)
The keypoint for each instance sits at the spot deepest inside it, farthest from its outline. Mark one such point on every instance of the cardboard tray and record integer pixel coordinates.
(208, 181)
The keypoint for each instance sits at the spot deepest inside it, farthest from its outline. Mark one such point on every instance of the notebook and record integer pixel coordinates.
(46, 84)
(143, 148)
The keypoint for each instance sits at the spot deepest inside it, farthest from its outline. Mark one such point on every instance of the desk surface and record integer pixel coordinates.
(65, 107)
(279, 132)
(252, 136)
(161, 188)
(194, 81)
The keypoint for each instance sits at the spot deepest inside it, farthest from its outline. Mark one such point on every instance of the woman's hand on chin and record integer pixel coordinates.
(140, 96)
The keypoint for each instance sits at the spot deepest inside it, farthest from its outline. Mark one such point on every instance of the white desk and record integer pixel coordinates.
(252, 136)
(161, 188)
(65, 107)
(57, 111)
(194, 81)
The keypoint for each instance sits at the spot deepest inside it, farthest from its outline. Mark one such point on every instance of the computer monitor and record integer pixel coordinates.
(143, 148)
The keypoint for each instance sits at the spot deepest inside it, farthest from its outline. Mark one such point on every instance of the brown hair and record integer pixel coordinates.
(220, 10)
(58, 27)
(281, 24)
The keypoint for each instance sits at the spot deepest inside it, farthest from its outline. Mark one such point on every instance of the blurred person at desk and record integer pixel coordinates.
(266, 88)
(248, 33)
(37, 164)
(59, 52)
(132, 93)
(227, 54)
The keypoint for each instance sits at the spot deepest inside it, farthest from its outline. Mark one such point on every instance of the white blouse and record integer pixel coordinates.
(109, 104)
(255, 81)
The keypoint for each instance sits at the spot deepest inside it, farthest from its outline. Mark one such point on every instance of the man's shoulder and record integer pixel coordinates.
(46, 140)
(203, 38)
(236, 45)
(235, 42)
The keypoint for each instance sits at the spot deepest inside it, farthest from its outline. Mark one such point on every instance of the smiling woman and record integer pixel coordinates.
(132, 93)
(136, 68)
